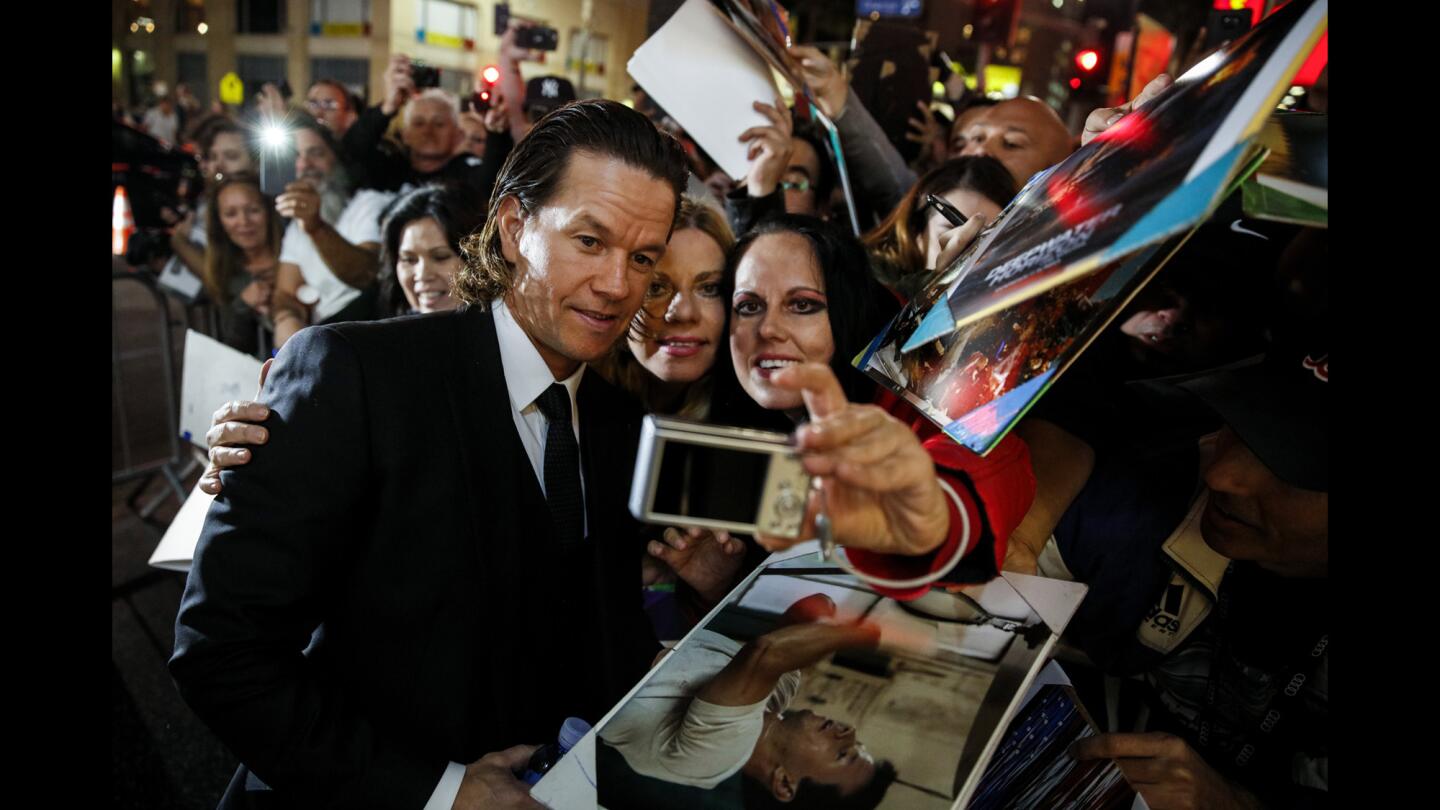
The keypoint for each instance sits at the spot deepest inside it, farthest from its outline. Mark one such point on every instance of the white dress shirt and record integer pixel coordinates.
(526, 378)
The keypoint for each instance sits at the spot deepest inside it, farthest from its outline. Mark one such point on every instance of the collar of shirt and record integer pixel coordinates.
(526, 375)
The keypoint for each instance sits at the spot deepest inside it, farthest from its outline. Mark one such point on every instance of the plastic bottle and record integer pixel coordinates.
(545, 757)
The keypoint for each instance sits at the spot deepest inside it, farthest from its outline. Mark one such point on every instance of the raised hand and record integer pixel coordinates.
(707, 561)
(880, 491)
(234, 425)
(1106, 117)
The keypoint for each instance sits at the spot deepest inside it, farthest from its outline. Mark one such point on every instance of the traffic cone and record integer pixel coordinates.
(122, 223)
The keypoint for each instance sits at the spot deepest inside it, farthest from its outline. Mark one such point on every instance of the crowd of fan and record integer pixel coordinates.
(1106, 482)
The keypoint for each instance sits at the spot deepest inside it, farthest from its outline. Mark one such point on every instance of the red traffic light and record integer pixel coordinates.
(491, 74)
(1087, 59)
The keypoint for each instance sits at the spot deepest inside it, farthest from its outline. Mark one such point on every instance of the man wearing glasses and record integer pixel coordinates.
(330, 103)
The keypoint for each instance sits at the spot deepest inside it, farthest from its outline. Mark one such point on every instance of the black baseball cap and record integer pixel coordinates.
(1278, 405)
(548, 92)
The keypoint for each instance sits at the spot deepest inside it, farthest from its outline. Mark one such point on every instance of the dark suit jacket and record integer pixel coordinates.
(394, 509)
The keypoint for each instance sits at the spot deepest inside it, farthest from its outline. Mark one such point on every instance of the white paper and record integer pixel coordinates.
(177, 547)
(705, 76)
(177, 278)
(214, 374)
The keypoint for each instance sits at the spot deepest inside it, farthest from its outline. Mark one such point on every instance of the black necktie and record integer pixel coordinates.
(562, 468)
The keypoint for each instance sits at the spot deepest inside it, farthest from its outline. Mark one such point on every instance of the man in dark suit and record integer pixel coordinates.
(432, 560)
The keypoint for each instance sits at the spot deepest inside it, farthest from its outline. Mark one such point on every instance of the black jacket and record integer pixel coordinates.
(377, 163)
(395, 510)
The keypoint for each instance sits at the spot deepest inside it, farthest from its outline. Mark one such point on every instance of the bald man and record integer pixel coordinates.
(1025, 134)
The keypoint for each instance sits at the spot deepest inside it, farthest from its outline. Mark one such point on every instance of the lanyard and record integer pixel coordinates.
(1276, 709)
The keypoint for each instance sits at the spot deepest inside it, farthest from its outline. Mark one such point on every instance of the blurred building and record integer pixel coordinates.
(159, 43)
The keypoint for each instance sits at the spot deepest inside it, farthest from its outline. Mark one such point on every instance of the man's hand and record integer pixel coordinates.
(1106, 117)
(1166, 772)
(705, 560)
(301, 202)
(514, 54)
(269, 102)
(490, 782)
(235, 424)
(926, 131)
(182, 229)
(879, 484)
(823, 78)
(399, 87)
(770, 149)
(497, 117)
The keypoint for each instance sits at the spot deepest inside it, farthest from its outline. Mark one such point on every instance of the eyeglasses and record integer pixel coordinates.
(798, 185)
(326, 104)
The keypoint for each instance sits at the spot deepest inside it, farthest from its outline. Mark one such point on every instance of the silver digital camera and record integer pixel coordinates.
(714, 477)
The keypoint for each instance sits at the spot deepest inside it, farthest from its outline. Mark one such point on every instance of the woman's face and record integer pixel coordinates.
(684, 312)
(242, 215)
(969, 203)
(426, 266)
(779, 316)
(228, 155)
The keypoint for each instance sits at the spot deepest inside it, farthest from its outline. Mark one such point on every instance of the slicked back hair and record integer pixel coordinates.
(598, 127)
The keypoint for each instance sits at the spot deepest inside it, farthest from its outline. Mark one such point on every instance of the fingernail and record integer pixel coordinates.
(244, 454)
(1112, 119)
(260, 435)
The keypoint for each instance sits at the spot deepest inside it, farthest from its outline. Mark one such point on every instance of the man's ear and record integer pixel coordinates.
(510, 219)
(782, 785)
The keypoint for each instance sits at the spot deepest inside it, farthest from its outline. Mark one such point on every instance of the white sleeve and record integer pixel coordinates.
(371, 205)
(710, 743)
(445, 792)
(289, 248)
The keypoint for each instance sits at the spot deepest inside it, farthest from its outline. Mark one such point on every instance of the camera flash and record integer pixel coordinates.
(273, 136)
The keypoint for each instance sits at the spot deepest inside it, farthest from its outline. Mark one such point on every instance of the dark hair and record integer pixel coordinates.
(532, 174)
(898, 259)
(219, 125)
(445, 205)
(299, 121)
(821, 796)
(823, 185)
(857, 305)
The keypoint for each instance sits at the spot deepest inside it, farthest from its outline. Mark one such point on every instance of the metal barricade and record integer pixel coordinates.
(176, 464)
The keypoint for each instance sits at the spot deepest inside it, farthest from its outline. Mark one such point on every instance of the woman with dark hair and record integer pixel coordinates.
(420, 254)
(241, 256)
(801, 291)
(907, 244)
(803, 295)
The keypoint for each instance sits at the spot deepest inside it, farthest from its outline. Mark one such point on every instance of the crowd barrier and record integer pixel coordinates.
(131, 352)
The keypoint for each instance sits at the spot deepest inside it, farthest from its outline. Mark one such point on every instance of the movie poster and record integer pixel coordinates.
(1158, 172)
(903, 700)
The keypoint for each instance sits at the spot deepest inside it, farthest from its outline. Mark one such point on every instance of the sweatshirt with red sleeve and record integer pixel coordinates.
(994, 491)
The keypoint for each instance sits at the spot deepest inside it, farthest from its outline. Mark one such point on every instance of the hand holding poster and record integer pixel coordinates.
(991, 333)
